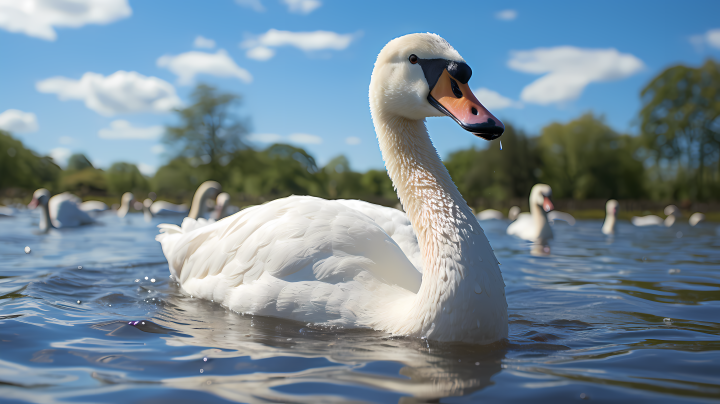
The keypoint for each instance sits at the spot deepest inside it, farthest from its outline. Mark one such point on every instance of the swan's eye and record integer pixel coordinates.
(413, 59)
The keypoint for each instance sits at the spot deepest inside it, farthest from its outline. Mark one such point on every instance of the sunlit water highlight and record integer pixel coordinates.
(634, 317)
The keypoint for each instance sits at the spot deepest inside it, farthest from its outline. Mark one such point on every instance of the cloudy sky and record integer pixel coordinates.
(102, 76)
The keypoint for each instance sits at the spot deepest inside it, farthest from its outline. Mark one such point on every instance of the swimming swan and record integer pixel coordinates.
(535, 227)
(62, 210)
(340, 263)
(611, 208)
(490, 214)
(671, 211)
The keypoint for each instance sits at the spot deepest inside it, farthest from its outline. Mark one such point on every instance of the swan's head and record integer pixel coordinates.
(611, 207)
(541, 195)
(513, 213)
(127, 198)
(40, 197)
(421, 75)
(222, 199)
(672, 210)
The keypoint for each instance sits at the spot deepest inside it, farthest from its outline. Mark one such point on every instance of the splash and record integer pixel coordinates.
(501, 145)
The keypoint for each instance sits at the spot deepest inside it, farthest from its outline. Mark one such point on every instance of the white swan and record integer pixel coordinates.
(490, 214)
(7, 211)
(611, 208)
(696, 218)
(126, 201)
(62, 210)
(198, 208)
(354, 264)
(562, 216)
(164, 208)
(671, 211)
(514, 213)
(535, 227)
(93, 206)
(223, 208)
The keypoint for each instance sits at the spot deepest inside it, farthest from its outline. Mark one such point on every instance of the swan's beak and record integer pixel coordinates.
(33, 204)
(456, 100)
(548, 205)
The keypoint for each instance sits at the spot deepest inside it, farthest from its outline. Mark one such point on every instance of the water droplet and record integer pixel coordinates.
(673, 271)
(146, 278)
(110, 305)
(584, 396)
(79, 266)
(79, 302)
(152, 280)
(137, 280)
(501, 145)
(204, 359)
(477, 363)
(27, 250)
(143, 323)
(201, 370)
(667, 320)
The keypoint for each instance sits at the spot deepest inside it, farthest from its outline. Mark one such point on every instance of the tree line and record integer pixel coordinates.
(676, 157)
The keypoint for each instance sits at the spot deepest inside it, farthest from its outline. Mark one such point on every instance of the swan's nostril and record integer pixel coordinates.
(474, 110)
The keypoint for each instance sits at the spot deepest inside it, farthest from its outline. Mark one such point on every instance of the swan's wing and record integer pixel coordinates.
(395, 223)
(65, 211)
(93, 206)
(565, 217)
(523, 227)
(166, 208)
(305, 257)
(650, 220)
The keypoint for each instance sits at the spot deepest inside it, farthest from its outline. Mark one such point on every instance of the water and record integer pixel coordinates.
(634, 317)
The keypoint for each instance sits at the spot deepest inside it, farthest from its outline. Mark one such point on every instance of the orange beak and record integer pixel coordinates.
(457, 101)
(548, 205)
(33, 204)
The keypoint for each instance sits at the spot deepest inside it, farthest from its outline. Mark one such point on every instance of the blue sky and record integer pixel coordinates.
(101, 76)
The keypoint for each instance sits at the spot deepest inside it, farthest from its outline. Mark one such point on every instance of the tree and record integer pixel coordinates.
(78, 162)
(680, 121)
(585, 158)
(22, 168)
(124, 177)
(210, 132)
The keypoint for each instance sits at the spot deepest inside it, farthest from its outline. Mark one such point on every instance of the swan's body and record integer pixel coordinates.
(164, 208)
(490, 214)
(6, 211)
(696, 218)
(562, 216)
(62, 210)
(611, 208)
(93, 206)
(430, 273)
(534, 226)
(671, 211)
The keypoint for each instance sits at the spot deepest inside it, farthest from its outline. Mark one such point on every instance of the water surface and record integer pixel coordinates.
(90, 315)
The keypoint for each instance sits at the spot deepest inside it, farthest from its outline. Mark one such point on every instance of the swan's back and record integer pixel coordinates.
(644, 221)
(65, 211)
(302, 258)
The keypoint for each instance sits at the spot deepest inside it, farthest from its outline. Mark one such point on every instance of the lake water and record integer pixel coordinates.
(634, 317)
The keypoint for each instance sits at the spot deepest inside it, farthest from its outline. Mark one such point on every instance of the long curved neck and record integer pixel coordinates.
(539, 217)
(45, 221)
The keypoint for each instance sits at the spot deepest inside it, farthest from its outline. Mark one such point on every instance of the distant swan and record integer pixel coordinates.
(126, 201)
(490, 214)
(198, 209)
(430, 273)
(535, 227)
(62, 210)
(611, 208)
(696, 218)
(223, 208)
(93, 206)
(671, 211)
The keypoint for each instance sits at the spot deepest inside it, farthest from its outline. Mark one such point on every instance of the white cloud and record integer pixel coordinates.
(158, 149)
(493, 100)
(506, 15)
(60, 155)
(352, 140)
(306, 41)
(66, 140)
(122, 129)
(711, 38)
(189, 64)
(14, 120)
(302, 6)
(260, 53)
(304, 138)
(38, 18)
(120, 92)
(301, 138)
(255, 5)
(568, 70)
(202, 42)
(147, 169)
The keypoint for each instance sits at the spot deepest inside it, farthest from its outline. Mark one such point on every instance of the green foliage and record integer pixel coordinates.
(22, 168)
(210, 132)
(124, 177)
(78, 162)
(586, 159)
(680, 124)
(86, 181)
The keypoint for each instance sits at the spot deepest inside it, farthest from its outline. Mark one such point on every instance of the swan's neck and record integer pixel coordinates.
(451, 241)
(609, 225)
(539, 217)
(45, 222)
